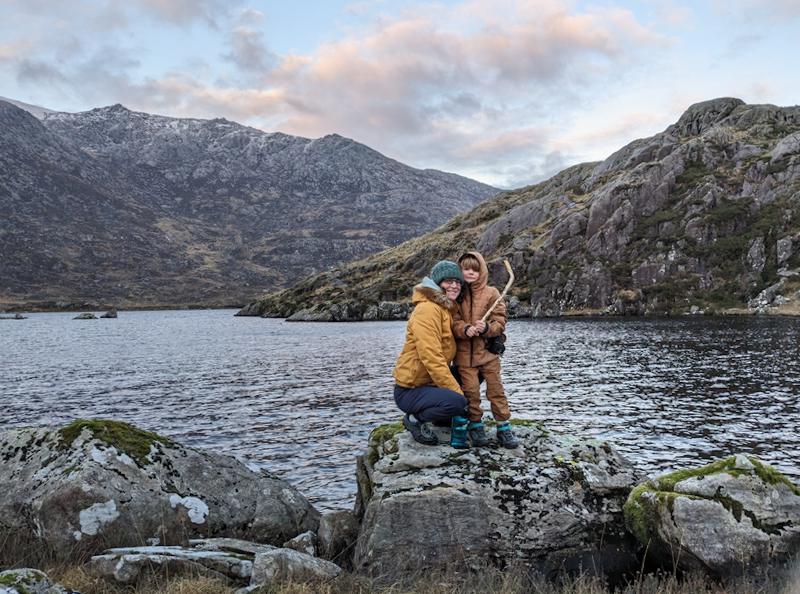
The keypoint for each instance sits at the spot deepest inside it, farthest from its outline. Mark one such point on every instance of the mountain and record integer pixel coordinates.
(704, 216)
(135, 209)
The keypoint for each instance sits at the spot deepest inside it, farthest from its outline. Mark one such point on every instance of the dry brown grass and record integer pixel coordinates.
(489, 581)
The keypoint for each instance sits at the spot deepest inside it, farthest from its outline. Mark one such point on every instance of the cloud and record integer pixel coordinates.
(182, 12)
(760, 10)
(470, 87)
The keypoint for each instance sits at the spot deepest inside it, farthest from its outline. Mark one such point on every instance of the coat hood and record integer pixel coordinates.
(483, 273)
(428, 290)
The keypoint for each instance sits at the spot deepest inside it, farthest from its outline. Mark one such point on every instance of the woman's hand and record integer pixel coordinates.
(471, 331)
(480, 326)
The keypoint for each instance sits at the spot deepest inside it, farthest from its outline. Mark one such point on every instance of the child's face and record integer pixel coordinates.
(470, 276)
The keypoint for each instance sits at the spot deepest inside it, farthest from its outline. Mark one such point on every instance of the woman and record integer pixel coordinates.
(425, 389)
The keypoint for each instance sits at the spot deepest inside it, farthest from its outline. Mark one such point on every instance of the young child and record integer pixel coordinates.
(472, 357)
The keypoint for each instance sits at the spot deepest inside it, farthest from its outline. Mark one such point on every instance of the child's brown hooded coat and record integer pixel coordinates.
(477, 298)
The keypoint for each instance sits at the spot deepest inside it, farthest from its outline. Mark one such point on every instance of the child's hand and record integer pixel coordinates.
(479, 325)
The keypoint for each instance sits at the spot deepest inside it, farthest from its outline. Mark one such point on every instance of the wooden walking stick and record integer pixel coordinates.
(503, 294)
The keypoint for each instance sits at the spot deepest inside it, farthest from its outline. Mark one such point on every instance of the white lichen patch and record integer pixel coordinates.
(196, 508)
(98, 515)
(77, 535)
(99, 456)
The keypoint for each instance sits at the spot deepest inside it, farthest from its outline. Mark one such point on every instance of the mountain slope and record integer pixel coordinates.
(704, 214)
(168, 211)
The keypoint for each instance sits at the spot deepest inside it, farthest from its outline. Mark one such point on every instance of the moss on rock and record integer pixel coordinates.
(125, 437)
(647, 501)
(379, 436)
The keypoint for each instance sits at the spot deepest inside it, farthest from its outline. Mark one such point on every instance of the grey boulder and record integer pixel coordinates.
(303, 543)
(554, 502)
(287, 565)
(89, 485)
(720, 518)
(29, 581)
(127, 565)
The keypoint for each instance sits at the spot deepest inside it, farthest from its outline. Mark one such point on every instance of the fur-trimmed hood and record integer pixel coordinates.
(428, 290)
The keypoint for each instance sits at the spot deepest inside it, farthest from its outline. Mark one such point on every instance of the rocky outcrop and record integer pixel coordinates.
(93, 484)
(209, 211)
(29, 581)
(722, 518)
(85, 316)
(704, 215)
(556, 502)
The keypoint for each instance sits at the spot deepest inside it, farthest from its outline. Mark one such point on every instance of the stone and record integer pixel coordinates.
(554, 502)
(85, 316)
(766, 298)
(81, 488)
(337, 536)
(723, 518)
(29, 581)
(303, 543)
(756, 255)
(283, 565)
(784, 250)
(128, 565)
(111, 313)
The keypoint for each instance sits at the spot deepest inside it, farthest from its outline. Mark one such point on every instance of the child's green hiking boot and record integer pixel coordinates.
(458, 433)
(505, 437)
(477, 434)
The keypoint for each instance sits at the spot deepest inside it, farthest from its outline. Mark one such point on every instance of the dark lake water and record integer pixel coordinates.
(301, 398)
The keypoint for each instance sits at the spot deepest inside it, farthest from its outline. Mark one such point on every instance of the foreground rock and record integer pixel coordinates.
(554, 502)
(720, 518)
(287, 565)
(85, 316)
(128, 565)
(96, 484)
(29, 581)
(238, 562)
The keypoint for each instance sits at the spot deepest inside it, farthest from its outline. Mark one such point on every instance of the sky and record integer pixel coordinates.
(508, 92)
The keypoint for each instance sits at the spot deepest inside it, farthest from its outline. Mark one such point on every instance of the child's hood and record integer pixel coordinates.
(483, 274)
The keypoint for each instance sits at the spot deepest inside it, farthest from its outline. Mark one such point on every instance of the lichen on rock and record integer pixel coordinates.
(554, 502)
(721, 517)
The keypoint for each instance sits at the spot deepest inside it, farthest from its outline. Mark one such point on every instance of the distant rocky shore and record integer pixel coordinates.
(128, 502)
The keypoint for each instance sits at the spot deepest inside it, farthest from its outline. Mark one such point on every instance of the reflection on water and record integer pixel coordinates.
(301, 398)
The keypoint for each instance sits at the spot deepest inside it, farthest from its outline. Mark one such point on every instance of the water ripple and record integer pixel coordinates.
(300, 399)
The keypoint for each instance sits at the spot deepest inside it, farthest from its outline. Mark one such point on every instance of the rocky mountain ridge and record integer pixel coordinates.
(703, 217)
(130, 208)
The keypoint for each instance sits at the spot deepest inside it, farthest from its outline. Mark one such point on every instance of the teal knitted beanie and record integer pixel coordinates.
(445, 269)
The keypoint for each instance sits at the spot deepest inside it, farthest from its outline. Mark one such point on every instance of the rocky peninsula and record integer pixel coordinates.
(128, 502)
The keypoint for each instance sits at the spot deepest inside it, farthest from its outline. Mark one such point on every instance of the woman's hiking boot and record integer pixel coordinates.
(458, 433)
(477, 434)
(421, 432)
(505, 437)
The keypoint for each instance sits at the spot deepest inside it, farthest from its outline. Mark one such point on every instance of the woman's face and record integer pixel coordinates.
(451, 288)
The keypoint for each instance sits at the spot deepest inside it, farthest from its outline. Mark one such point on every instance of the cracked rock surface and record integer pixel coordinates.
(555, 501)
(93, 484)
(720, 518)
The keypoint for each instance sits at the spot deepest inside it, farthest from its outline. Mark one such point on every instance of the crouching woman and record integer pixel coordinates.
(425, 389)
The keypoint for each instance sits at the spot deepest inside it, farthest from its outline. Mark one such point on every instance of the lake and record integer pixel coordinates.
(301, 398)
